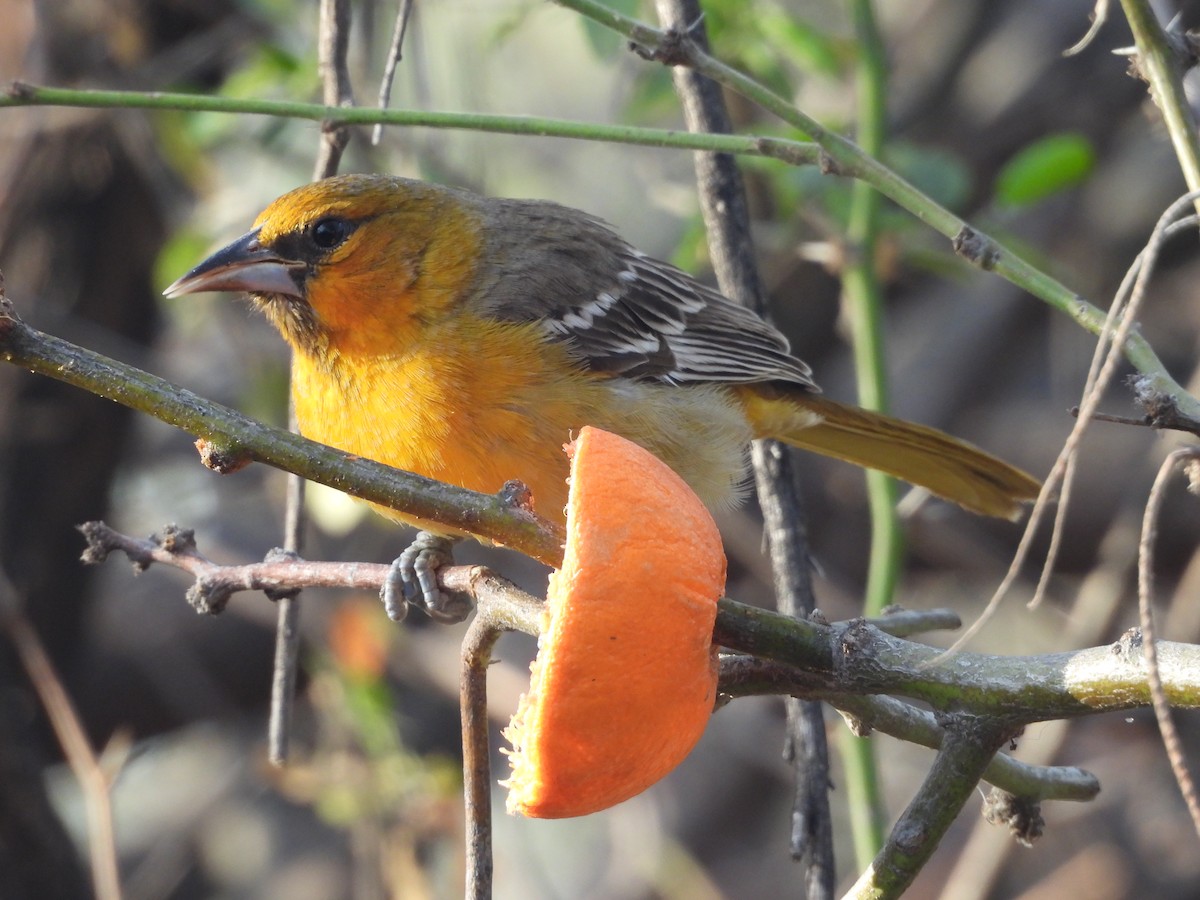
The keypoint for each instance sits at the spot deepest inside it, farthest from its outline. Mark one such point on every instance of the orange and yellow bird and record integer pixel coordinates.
(466, 338)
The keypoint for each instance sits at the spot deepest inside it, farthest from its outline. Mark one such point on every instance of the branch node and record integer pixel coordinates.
(20, 90)
(1162, 409)
(209, 596)
(856, 637)
(1022, 815)
(675, 47)
(827, 165)
(175, 540)
(9, 319)
(1184, 47)
(1128, 647)
(280, 555)
(976, 248)
(100, 543)
(857, 726)
(516, 495)
(222, 458)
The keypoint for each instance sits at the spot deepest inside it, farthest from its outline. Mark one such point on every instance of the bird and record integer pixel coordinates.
(466, 337)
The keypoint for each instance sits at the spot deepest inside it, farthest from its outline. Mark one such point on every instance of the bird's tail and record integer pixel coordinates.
(944, 465)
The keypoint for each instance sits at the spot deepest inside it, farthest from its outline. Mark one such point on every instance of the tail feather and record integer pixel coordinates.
(923, 456)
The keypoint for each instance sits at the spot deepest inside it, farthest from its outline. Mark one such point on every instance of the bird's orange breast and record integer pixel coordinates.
(479, 402)
(474, 404)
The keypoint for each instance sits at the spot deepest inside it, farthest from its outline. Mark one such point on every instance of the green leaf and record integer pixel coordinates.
(1053, 164)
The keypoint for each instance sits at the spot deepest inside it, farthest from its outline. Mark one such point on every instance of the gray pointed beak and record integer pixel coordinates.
(244, 265)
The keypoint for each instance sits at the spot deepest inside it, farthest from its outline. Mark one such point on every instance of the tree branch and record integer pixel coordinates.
(815, 659)
(235, 439)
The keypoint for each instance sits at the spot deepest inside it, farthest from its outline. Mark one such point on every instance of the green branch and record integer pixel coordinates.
(967, 748)
(842, 157)
(836, 155)
(862, 297)
(793, 152)
(856, 658)
(1158, 61)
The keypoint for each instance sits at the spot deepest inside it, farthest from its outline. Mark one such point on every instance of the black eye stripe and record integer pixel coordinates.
(330, 232)
(314, 242)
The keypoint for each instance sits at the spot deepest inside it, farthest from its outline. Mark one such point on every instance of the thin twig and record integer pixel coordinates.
(1162, 706)
(1099, 17)
(332, 53)
(477, 647)
(333, 43)
(727, 222)
(744, 676)
(1125, 308)
(94, 783)
(1159, 62)
(1118, 326)
(792, 152)
(286, 663)
(501, 607)
(839, 658)
(393, 60)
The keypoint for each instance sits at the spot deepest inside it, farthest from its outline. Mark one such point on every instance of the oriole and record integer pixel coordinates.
(465, 338)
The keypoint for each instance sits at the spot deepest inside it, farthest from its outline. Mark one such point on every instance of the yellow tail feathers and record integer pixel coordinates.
(926, 457)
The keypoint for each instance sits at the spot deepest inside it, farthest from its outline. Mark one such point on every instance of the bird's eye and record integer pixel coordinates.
(329, 232)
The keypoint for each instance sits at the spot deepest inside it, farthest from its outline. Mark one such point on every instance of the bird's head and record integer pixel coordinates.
(349, 263)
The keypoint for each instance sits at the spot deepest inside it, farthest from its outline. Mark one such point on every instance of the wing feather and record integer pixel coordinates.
(623, 312)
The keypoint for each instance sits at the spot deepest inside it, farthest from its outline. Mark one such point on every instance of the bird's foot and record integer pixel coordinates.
(413, 580)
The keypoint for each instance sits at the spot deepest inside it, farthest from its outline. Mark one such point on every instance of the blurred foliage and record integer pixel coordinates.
(986, 115)
(361, 774)
(1046, 167)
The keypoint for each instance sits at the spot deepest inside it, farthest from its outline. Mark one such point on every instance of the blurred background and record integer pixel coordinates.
(100, 210)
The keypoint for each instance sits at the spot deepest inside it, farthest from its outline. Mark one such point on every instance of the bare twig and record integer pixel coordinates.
(502, 608)
(477, 647)
(332, 46)
(967, 749)
(1162, 707)
(393, 60)
(743, 676)
(1118, 325)
(1099, 17)
(844, 657)
(1125, 308)
(332, 50)
(727, 221)
(286, 662)
(87, 768)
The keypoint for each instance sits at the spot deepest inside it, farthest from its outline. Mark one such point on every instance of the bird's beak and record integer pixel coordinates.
(244, 265)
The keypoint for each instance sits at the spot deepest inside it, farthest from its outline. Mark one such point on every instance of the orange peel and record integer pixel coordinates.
(626, 673)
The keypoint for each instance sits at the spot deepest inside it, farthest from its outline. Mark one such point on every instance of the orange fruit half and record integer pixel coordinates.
(626, 673)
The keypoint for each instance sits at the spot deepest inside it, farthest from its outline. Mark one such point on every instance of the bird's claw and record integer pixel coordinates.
(413, 580)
